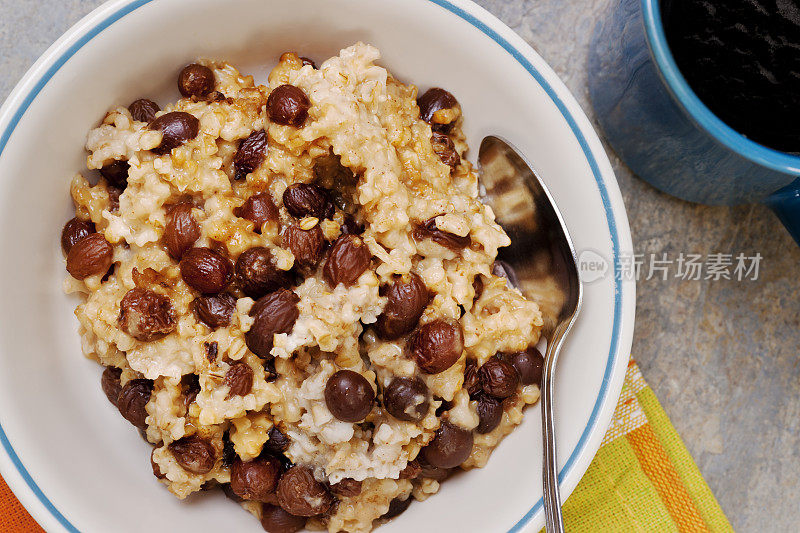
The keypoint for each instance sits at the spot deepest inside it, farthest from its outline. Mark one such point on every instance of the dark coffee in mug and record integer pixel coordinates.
(742, 58)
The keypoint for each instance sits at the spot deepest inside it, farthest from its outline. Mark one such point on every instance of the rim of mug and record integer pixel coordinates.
(697, 110)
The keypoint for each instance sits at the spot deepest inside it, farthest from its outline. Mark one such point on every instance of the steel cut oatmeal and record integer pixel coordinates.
(291, 288)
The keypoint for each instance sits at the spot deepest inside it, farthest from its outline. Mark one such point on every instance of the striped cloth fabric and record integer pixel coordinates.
(13, 516)
(641, 480)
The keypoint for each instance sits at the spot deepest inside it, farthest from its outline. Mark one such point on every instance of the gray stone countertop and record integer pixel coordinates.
(722, 356)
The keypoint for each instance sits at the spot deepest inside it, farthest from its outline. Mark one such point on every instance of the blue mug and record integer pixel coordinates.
(666, 135)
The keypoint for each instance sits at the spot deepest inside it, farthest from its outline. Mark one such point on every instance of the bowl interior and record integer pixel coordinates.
(85, 458)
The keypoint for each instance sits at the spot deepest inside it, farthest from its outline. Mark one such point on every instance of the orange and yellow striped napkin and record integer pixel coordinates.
(642, 478)
(13, 516)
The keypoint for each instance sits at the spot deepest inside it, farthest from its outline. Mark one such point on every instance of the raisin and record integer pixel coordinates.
(181, 230)
(116, 173)
(205, 270)
(274, 313)
(349, 258)
(437, 346)
(176, 128)
(111, 384)
(250, 154)
(75, 230)
(195, 80)
(132, 401)
(258, 209)
(305, 200)
(307, 246)
(239, 379)
(90, 256)
(407, 299)
(143, 110)
(428, 230)
(302, 495)
(256, 274)
(215, 310)
(288, 105)
(194, 454)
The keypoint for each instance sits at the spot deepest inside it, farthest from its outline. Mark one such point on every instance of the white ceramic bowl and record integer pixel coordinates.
(69, 457)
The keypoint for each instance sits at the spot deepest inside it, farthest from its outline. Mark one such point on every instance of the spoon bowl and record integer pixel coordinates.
(541, 261)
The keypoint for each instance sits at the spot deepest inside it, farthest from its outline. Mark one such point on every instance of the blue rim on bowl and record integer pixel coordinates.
(614, 352)
(696, 109)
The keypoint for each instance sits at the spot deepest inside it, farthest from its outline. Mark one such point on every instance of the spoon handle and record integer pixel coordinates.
(554, 522)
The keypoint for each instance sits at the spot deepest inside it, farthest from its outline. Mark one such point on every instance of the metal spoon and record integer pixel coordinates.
(542, 262)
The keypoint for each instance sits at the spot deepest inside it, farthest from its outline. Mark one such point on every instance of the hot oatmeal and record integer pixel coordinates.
(294, 292)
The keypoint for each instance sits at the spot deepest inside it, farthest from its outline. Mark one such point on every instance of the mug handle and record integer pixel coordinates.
(785, 203)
